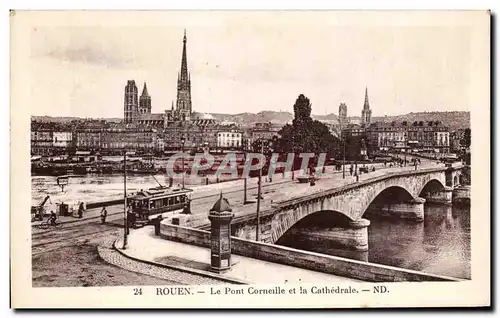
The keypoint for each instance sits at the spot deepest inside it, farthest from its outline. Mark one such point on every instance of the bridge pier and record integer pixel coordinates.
(444, 196)
(461, 195)
(411, 210)
(353, 236)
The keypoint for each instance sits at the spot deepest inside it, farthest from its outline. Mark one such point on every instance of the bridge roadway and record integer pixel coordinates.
(279, 191)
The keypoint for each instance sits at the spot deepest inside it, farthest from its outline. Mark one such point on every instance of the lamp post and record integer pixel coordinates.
(356, 160)
(125, 216)
(245, 200)
(259, 194)
(406, 149)
(183, 140)
(293, 162)
(343, 157)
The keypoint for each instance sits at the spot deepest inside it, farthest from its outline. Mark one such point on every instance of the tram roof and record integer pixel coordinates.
(159, 192)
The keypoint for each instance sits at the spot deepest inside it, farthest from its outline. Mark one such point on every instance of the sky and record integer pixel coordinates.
(78, 63)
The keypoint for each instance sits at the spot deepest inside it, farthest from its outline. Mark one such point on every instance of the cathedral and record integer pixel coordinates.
(137, 109)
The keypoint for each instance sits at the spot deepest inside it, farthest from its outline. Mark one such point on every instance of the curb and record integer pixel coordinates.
(181, 268)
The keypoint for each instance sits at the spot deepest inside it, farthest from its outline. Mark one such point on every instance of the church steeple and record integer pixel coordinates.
(145, 101)
(184, 70)
(366, 113)
(183, 104)
(145, 90)
(367, 104)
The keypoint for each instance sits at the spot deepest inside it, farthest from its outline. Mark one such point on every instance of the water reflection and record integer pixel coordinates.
(439, 245)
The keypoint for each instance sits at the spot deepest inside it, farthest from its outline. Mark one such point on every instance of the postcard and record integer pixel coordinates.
(250, 159)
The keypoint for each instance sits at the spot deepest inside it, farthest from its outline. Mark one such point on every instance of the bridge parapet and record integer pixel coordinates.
(296, 202)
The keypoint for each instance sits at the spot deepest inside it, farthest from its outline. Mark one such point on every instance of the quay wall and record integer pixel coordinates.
(93, 205)
(303, 259)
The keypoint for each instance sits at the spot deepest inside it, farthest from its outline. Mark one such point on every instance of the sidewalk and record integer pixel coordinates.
(144, 245)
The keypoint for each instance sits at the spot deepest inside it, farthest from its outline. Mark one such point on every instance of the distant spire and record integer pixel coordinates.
(145, 90)
(367, 104)
(172, 105)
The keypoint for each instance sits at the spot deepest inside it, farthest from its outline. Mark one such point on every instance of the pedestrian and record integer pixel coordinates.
(158, 220)
(104, 214)
(80, 210)
(350, 170)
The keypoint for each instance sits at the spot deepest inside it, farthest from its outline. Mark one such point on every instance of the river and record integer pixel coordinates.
(439, 245)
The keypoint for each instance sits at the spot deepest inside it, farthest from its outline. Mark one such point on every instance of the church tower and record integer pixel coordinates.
(184, 108)
(131, 106)
(145, 101)
(342, 114)
(366, 113)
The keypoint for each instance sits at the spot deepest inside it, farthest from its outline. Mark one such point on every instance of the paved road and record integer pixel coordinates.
(52, 253)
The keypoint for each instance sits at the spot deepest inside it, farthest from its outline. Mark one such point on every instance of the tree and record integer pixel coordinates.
(306, 134)
(465, 141)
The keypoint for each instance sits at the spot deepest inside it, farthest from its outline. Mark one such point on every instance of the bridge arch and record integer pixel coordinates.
(391, 194)
(320, 219)
(431, 186)
(283, 223)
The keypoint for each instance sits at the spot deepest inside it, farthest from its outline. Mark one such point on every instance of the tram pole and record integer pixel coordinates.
(125, 218)
(259, 194)
(245, 201)
(183, 169)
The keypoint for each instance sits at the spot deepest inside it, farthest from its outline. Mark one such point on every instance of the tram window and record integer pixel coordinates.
(183, 198)
(177, 200)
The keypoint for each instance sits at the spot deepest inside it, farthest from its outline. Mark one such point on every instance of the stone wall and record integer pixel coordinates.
(461, 195)
(303, 259)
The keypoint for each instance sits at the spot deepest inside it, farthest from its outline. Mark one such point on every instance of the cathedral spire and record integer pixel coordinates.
(145, 90)
(184, 71)
(183, 103)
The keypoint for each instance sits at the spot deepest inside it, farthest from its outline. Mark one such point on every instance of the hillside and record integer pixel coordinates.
(454, 120)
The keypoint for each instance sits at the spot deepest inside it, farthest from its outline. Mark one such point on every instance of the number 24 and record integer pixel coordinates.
(137, 291)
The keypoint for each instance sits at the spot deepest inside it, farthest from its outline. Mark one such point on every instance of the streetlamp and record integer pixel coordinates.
(356, 160)
(293, 162)
(183, 140)
(245, 150)
(343, 146)
(259, 193)
(125, 216)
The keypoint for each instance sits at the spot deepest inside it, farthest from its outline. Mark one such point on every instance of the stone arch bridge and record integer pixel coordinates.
(400, 194)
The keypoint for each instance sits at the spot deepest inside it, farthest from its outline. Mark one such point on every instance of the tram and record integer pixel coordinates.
(148, 204)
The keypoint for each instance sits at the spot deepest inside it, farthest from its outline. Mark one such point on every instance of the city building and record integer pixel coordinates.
(354, 130)
(430, 136)
(229, 136)
(456, 137)
(50, 138)
(265, 130)
(387, 136)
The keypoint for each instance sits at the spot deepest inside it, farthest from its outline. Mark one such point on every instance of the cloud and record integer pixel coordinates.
(88, 55)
